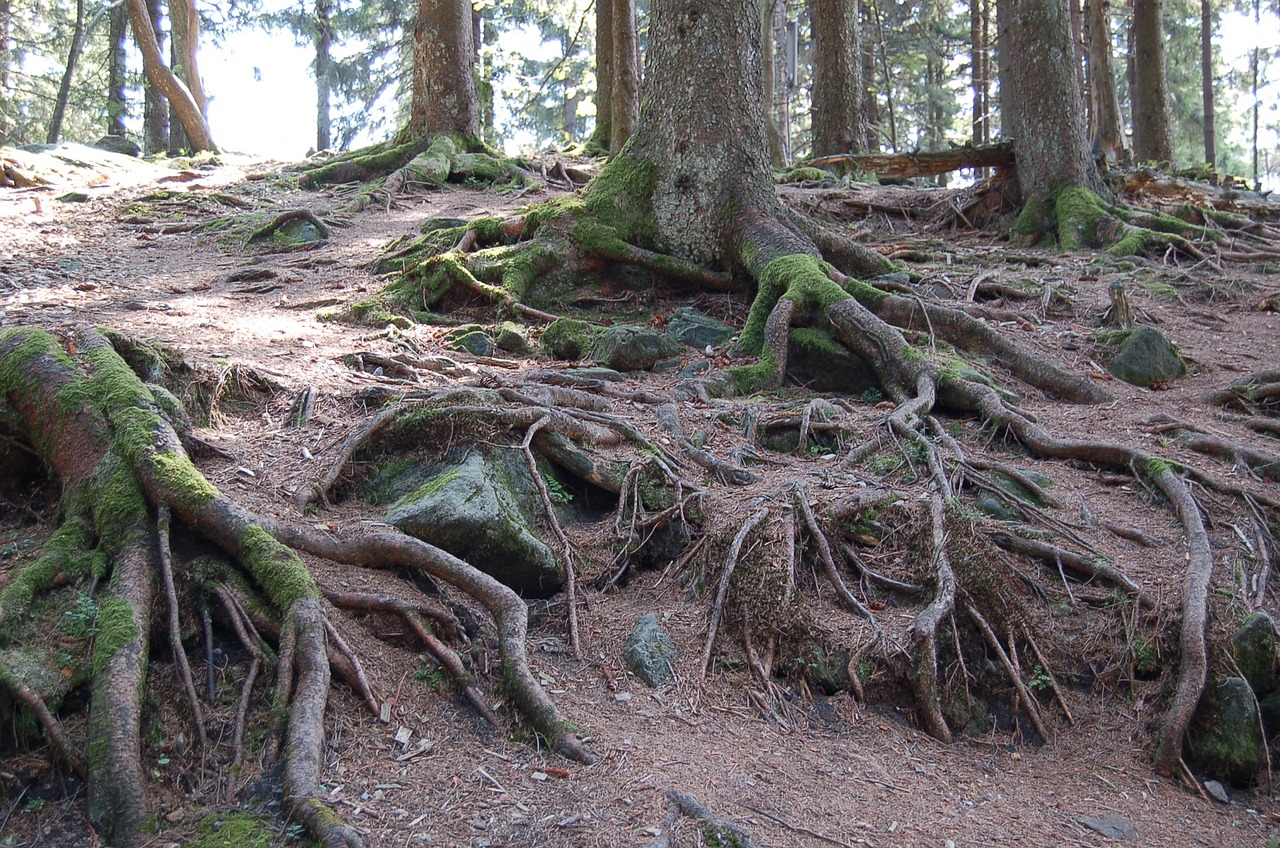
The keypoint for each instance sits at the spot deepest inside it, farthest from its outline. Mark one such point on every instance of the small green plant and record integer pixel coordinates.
(871, 395)
(34, 805)
(1039, 680)
(433, 677)
(81, 621)
(560, 496)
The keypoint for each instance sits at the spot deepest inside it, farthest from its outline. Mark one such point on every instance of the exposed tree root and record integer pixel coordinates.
(716, 831)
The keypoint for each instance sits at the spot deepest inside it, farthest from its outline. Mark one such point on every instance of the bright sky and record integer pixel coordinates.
(262, 95)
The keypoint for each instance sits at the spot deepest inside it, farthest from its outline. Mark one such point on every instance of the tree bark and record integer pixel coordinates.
(1004, 68)
(170, 86)
(155, 107)
(769, 53)
(1206, 82)
(446, 59)
(1152, 135)
(184, 23)
(64, 89)
(324, 40)
(1104, 112)
(1048, 113)
(602, 135)
(625, 102)
(839, 123)
(870, 103)
(117, 103)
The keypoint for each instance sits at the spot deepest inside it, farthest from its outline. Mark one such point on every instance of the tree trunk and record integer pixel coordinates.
(870, 104)
(170, 86)
(324, 40)
(1152, 135)
(1004, 68)
(155, 107)
(1104, 112)
(769, 52)
(178, 144)
(1077, 42)
(485, 50)
(64, 90)
(1254, 62)
(885, 81)
(446, 58)
(417, 127)
(602, 135)
(184, 23)
(117, 103)
(839, 123)
(625, 102)
(1048, 114)
(1206, 83)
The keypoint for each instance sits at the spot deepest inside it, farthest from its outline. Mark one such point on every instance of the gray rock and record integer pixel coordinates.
(432, 224)
(1110, 826)
(118, 144)
(898, 278)
(1013, 487)
(570, 338)
(649, 652)
(989, 504)
(512, 339)
(480, 509)
(690, 327)
(607, 375)
(471, 338)
(1255, 649)
(1217, 791)
(301, 230)
(627, 347)
(1226, 739)
(1145, 357)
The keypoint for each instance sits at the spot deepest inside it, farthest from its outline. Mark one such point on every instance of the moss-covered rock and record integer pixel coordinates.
(1254, 645)
(649, 653)
(483, 509)
(570, 338)
(1226, 738)
(470, 338)
(690, 327)
(1147, 357)
(627, 347)
(513, 339)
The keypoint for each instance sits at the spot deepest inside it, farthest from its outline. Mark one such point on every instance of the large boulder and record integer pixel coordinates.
(690, 327)
(1254, 645)
(1226, 739)
(483, 509)
(649, 652)
(628, 347)
(118, 144)
(1147, 357)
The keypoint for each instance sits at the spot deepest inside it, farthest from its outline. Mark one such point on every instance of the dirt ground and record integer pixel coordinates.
(834, 772)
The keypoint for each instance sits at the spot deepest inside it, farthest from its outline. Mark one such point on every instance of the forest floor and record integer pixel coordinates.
(834, 773)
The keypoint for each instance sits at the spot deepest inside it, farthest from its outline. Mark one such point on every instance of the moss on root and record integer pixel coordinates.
(276, 568)
(116, 628)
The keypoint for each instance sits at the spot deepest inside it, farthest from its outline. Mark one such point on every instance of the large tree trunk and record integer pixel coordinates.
(169, 85)
(602, 135)
(447, 60)
(64, 90)
(117, 103)
(1206, 82)
(1104, 112)
(625, 102)
(324, 40)
(839, 123)
(1152, 135)
(1048, 108)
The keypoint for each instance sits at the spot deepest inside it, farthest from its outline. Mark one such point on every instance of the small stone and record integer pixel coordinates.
(622, 696)
(649, 653)
(539, 775)
(1146, 356)
(176, 816)
(1217, 791)
(1110, 826)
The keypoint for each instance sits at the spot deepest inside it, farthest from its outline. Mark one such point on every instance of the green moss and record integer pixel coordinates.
(276, 568)
(431, 487)
(1078, 211)
(180, 480)
(66, 552)
(1157, 466)
(815, 340)
(235, 830)
(621, 196)
(720, 836)
(27, 346)
(116, 628)
(1031, 220)
(1160, 289)
(749, 379)
(570, 338)
(801, 278)
(801, 175)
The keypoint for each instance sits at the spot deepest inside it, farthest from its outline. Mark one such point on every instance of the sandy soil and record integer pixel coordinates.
(832, 773)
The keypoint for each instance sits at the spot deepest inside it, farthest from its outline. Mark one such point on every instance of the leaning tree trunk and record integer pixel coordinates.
(162, 78)
(1152, 134)
(839, 123)
(64, 90)
(184, 22)
(625, 102)
(1104, 112)
(1047, 105)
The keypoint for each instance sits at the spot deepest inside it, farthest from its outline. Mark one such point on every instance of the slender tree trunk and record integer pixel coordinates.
(1104, 111)
(117, 103)
(602, 136)
(1049, 127)
(64, 90)
(485, 50)
(769, 53)
(1004, 68)
(1077, 43)
(870, 103)
(1254, 63)
(782, 36)
(625, 102)
(178, 144)
(155, 107)
(1206, 83)
(1152, 134)
(170, 86)
(324, 40)
(886, 81)
(447, 56)
(839, 123)
(184, 22)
